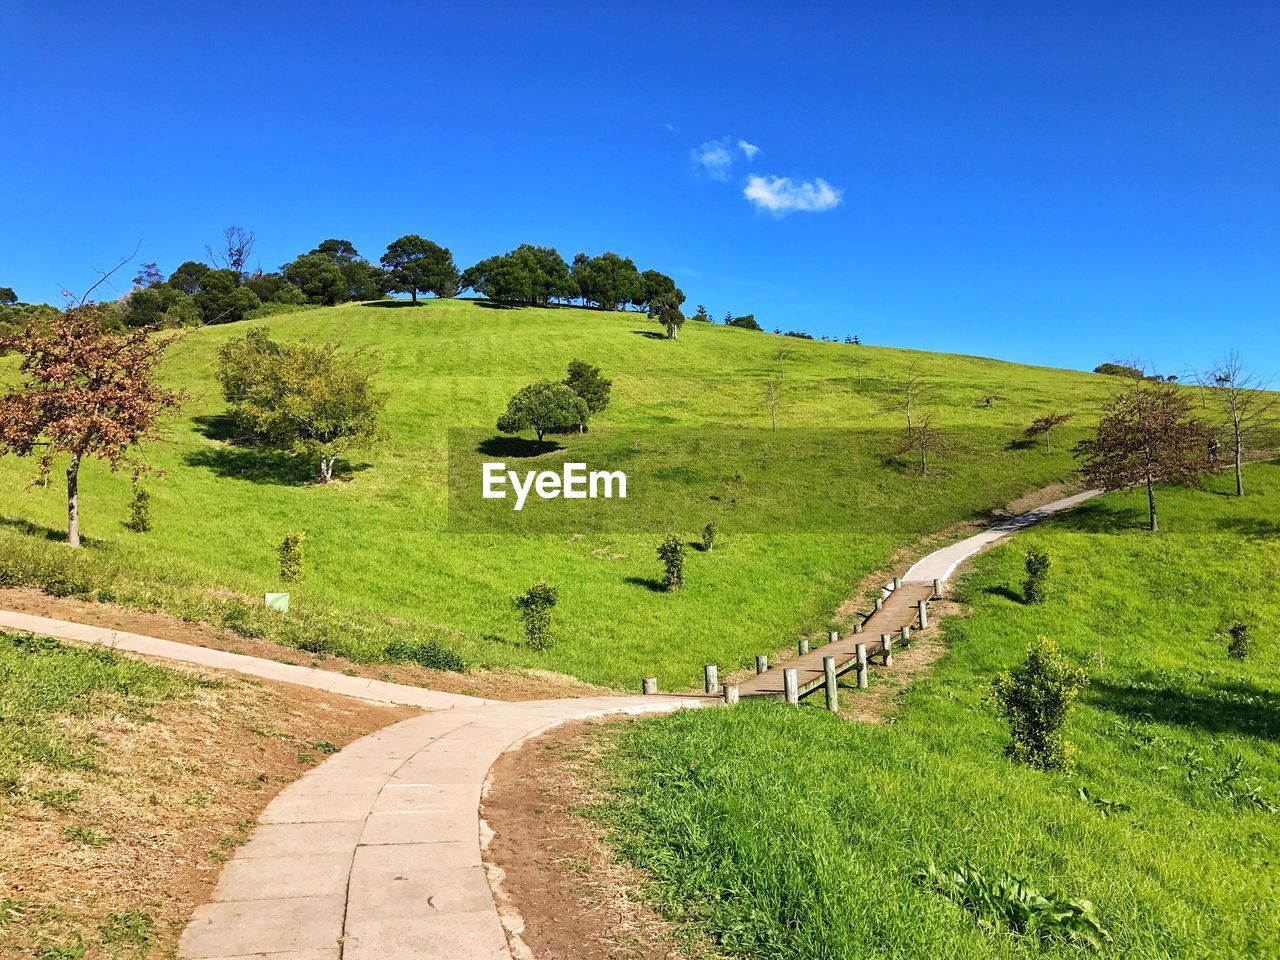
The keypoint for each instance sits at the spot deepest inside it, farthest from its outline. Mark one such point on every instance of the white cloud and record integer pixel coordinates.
(715, 157)
(749, 149)
(780, 196)
(670, 126)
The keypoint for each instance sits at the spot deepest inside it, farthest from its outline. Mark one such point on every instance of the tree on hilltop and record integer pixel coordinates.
(417, 265)
(666, 310)
(318, 277)
(86, 392)
(7, 296)
(1148, 436)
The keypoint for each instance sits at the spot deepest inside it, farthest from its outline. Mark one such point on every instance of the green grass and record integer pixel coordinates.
(791, 834)
(44, 682)
(382, 563)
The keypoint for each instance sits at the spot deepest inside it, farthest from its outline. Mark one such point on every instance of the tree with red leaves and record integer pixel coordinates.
(86, 392)
(1148, 436)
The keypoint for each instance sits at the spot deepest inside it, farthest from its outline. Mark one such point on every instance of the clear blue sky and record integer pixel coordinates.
(1062, 186)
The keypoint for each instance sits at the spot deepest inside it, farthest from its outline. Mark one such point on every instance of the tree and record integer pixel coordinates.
(666, 309)
(702, 316)
(307, 398)
(361, 279)
(318, 277)
(86, 392)
(922, 440)
(607, 281)
(1146, 437)
(1244, 400)
(747, 322)
(7, 296)
(417, 265)
(188, 276)
(544, 407)
(221, 298)
(772, 398)
(148, 275)
(908, 392)
(529, 275)
(155, 306)
(781, 357)
(654, 286)
(235, 250)
(584, 379)
(1042, 426)
(671, 553)
(1125, 370)
(274, 288)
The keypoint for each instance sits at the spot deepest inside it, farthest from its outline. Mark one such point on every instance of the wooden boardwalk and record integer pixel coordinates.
(900, 608)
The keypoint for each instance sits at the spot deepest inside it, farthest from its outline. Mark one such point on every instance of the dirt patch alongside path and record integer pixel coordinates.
(556, 880)
(116, 857)
(492, 684)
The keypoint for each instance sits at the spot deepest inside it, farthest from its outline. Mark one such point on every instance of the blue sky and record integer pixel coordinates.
(1061, 187)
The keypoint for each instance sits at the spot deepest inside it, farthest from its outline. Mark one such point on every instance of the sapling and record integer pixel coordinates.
(1035, 588)
(1238, 647)
(534, 607)
(1035, 698)
(671, 553)
(139, 511)
(290, 554)
(709, 537)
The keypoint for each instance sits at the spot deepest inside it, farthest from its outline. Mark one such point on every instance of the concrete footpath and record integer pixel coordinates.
(375, 854)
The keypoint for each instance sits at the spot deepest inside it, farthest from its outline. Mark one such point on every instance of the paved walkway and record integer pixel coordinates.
(376, 854)
(379, 691)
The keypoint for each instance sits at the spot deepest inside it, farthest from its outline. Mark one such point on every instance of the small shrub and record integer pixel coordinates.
(325, 747)
(433, 655)
(1238, 646)
(671, 553)
(139, 511)
(1035, 587)
(709, 537)
(72, 951)
(1006, 902)
(534, 607)
(290, 554)
(1035, 699)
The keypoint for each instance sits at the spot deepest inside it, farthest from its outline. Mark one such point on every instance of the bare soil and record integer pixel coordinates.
(166, 803)
(492, 684)
(560, 890)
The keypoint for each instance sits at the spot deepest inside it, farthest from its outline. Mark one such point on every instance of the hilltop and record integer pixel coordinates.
(382, 562)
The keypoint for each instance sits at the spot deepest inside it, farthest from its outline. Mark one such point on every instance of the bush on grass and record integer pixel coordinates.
(534, 607)
(671, 553)
(1035, 698)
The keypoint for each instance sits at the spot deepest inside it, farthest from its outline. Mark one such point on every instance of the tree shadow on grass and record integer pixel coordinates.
(516, 448)
(265, 466)
(649, 583)
(1003, 590)
(1220, 707)
(41, 532)
(395, 304)
(650, 334)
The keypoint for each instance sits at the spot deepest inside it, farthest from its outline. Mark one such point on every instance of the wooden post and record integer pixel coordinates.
(879, 602)
(730, 694)
(886, 647)
(762, 663)
(710, 678)
(905, 635)
(857, 627)
(790, 686)
(923, 607)
(937, 587)
(833, 636)
(861, 652)
(649, 685)
(833, 690)
(802, 647)
(897, 583)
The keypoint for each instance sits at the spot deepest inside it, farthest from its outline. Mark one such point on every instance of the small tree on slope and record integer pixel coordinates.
(87, 392)
(1148, 436)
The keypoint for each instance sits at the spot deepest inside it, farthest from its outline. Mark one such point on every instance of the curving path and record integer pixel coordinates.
(376, 853)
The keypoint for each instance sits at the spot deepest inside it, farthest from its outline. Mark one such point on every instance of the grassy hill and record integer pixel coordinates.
(382, 561)
(793, 834)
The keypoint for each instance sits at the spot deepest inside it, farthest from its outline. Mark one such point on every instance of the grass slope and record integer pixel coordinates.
(381, 562)
(793, 834)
